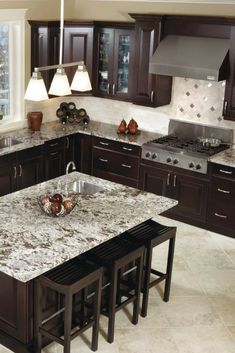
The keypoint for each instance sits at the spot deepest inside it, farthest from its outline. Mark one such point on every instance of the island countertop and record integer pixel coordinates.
(32, 243)
(226, 158)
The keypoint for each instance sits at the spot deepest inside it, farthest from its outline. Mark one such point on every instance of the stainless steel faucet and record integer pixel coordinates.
(68, 166)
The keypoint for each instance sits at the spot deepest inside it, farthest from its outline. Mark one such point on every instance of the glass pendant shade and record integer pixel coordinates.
(36, 90)
(81, 81)
(60, 84)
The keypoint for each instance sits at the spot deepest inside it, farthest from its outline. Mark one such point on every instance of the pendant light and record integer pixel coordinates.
(36, 90)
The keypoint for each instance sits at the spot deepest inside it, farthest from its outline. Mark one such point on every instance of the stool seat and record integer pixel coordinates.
(70, 279)
(151, 234)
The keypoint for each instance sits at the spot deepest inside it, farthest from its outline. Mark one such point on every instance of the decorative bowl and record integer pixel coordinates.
(57, 204)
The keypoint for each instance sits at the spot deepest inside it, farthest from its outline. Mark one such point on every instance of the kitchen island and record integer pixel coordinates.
(32, 243)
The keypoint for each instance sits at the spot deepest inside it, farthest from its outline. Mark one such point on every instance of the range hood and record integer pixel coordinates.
(201, 58)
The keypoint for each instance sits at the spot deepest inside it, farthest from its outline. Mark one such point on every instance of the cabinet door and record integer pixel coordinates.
(103, 61)
(192, 194)
(123, 64)
(8, 174)
(148, 89)
(78, 46)
(54, 158)
(30, 167)
(155, 180)
(15, 309)
(84, 153)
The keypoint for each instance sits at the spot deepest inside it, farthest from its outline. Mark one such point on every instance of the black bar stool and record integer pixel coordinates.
(68, 279)
(115, 256)
(151, 234)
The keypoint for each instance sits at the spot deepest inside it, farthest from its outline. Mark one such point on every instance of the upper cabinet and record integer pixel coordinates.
(45, 38)
(78, 46)
(113, 62)
(148, 89)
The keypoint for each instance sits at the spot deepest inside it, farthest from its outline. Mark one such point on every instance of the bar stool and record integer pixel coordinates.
(68, 279)
(115, 256)
(151, 234)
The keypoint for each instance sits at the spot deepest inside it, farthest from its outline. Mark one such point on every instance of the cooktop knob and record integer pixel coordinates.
(198, 166)
(169, 159)
(191, 165)
(147, 155)
(154, 156)
(175, 161)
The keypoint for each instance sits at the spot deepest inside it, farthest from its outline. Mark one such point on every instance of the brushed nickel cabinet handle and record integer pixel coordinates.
(174, 181)
(67, 143)
(53, 153)
(104, 143)
(126, 166)
(108, 86)
(127, 149)
(168, 179)
(54, 144)
(221, 215)
(225, 171)
(224, 191)
(114, 89)
(152, 96)
(225, 107)
(15, 172)
(103, 160)
(20, 170)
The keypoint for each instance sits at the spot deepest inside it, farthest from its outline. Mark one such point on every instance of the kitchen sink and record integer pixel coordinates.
(83, 187)
(8, 142)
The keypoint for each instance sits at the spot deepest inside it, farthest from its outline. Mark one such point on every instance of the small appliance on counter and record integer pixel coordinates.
(67, 112)
(188, 146)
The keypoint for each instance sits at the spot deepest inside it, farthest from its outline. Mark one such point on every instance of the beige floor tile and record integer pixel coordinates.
(150, 341)
(203, 340)
(232, 331)
(225, 307)
(190, 311)
(217, 282)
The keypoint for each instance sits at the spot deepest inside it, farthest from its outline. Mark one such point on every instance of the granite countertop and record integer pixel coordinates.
(55, 129)
(226, 157)
(32, 242)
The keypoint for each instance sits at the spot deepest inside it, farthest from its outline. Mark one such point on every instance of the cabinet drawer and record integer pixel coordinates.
(115, 163)
(117, 146)
(223, 170)
(219, 215)
(56, 144)
(223, 191)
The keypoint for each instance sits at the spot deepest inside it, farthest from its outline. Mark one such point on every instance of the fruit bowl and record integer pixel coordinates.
(57, 204)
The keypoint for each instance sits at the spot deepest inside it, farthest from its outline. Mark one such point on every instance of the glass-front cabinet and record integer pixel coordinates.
(113, 63)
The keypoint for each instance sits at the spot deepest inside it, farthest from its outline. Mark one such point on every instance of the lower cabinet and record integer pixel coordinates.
(221, 202)
(116, 161)
(54, 158)
(189, 189)
(8, 174)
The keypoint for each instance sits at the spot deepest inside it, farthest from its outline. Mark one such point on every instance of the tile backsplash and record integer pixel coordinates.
(192, 100)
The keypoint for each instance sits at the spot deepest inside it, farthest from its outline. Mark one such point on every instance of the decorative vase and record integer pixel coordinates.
(35, 120)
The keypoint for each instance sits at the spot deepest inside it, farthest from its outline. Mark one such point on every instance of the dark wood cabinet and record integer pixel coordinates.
(113, 62)
(78, 46)
(8, 174)
(54, 158)
(188, 188)
(221, 202)
(45, 37)
(148, 89)
(84, 153)
(30, 167)
(115, 161)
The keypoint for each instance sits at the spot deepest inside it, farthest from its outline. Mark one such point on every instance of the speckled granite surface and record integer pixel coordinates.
(55, 129)
(32, 243)
(226, 157)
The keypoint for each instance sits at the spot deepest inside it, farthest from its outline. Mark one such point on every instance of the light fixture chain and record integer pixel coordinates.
(61, 30)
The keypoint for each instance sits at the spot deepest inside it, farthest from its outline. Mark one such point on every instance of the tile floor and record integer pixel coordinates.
(200, 316)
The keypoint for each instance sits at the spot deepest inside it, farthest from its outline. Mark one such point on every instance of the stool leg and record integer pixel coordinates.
(112, 304)
(68, 322)
(97, 303)
(38, 315)
(139, 271)
(169, 269)
(147, 272)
